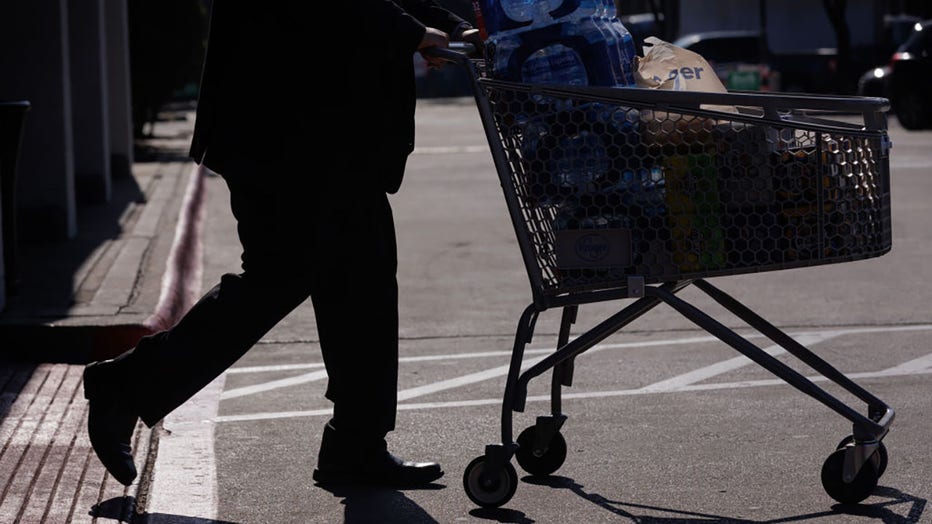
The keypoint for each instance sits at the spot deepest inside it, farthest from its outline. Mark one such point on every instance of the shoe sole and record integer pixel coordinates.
(363, 479)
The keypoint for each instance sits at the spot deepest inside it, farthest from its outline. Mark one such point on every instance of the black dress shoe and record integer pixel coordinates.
(110, 423)
(383, 469)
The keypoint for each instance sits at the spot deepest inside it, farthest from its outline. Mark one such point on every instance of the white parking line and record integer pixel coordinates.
(431, 388)
(184, 479)
(446, 150)
(275, 384)
(189, 445)
(680, 381)
(891, 372)
(684, 382)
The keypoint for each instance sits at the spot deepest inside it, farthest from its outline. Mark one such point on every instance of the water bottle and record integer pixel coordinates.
(552, 41)
(538, 52)
(507, 15)
(581, 163)
(584, 30)
(611, 58)
(624, 45)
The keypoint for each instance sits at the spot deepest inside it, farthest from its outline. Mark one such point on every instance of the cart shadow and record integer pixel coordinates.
(511, 516)
(881, 510)
(379, 504)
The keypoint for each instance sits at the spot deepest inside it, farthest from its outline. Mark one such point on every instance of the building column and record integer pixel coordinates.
(2, 269)
(116, 31)
(90, 115)
(34, 60)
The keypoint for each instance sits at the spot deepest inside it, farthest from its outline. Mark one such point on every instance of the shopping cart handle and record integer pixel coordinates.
(458, 52)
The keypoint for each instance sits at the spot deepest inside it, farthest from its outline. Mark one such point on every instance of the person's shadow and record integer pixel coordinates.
(381, 505)
(122, 509)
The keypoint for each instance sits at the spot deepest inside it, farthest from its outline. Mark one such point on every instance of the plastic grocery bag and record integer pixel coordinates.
(670, 67)
(666, 66)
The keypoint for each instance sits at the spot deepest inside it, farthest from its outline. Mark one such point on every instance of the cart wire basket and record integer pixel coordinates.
(628, 193)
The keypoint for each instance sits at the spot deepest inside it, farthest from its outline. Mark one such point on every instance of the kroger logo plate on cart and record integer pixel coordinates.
(590, 248)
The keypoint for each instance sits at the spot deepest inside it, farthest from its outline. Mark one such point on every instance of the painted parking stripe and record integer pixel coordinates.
(480, 354)
(806, 338)
(275, 384)
(684, 382)
(891, 372)
(430, 388)
(184, 477)
(707, 372)
(278, 367)
(446, 150)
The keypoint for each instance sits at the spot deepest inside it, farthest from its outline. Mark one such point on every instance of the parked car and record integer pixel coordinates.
(739, 55)
(875, 82)
(911, 79)
(735, 53)
(736, 56)
(896, 30)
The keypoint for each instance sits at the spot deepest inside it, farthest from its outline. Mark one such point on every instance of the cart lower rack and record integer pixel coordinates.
(636, 194)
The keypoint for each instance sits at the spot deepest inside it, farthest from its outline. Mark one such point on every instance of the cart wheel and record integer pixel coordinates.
(540, 463)
(879, 458)
(847, 492)
(489, 493)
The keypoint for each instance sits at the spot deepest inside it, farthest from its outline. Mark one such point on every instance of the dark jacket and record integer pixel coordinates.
(322, 86)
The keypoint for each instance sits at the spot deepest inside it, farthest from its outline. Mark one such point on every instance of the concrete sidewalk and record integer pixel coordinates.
(126, 274)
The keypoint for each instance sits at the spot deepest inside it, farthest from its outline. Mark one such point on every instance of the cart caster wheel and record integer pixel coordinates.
(489, 493)
(847, 492)
(544, 463)
(879, 458)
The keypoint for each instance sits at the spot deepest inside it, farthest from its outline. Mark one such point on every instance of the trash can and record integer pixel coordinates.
(12, 120)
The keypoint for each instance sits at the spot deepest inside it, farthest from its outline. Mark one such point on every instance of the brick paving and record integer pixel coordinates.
(49, 471)
(85, 299)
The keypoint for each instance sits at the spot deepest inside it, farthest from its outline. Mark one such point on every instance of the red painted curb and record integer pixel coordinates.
(181, 282)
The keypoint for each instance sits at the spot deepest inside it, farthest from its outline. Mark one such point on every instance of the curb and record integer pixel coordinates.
(45, 454)
(109, 337)
(181, 282)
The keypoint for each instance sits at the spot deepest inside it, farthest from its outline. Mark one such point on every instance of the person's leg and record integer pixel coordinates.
(355, 299)
(167, 368)
(272, 223)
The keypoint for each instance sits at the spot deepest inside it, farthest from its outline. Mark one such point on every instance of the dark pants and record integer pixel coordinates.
(332, 242)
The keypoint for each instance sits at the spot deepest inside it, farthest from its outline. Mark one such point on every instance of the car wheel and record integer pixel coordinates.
(911, 110)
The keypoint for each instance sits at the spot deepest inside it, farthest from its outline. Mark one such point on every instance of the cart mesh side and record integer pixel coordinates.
(605, 188)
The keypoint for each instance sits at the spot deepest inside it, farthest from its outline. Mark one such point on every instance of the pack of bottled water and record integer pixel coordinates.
(570, 42)
(578, 157)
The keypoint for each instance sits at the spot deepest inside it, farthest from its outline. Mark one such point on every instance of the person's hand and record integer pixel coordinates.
(433, 38)
(473, 37)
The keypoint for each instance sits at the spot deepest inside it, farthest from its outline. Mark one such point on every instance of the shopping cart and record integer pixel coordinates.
(636, 194)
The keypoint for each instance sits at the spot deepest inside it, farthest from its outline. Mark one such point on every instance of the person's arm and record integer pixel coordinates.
(434, 15)
(385, 24)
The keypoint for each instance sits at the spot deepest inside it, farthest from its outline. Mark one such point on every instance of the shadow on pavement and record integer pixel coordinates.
(163, 518)
(122, 509)
(881, 510)
(47, 268)
(13, 376)
(377, 504)
(502, 515)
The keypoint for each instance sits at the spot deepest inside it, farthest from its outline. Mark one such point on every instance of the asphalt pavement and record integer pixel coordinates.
(665, 423)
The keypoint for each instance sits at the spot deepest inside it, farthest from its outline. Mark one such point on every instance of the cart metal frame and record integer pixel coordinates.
(850, 474)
